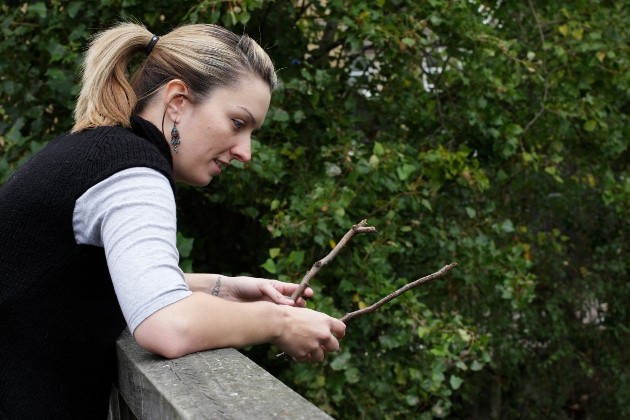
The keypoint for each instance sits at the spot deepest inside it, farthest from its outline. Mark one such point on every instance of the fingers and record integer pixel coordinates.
(308, 335)
(301, 359)
(289, 288)
(273, 294)
(308, 292)
(338, 328)
(317, 355)
(331, 344)
(300, 303)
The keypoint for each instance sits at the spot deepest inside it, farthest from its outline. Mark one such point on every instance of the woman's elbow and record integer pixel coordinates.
(164, 336)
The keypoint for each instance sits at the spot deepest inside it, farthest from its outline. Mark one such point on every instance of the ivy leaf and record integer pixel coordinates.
(280, 115)
(374, 161)
(298, 116)
(461, 365)
(465, 336)
(38, 8)
(378, 149)
(476, 366)
(410, 42)
(184, 245)
(341, 362)
(456, 382)
(352, 375)
(412, 399)
(564, 29)
(404, 171)
(186, 265)
(274, 252)
(56, 74)
(590, 125)
(252, 212)
(422, 331)
(296, 257)
(270, 266)
(74, 7)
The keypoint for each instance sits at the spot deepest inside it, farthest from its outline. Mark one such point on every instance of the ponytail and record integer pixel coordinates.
(106, 97)
(203, 56)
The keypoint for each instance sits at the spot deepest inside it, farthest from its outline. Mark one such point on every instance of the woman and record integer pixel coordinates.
(87, 236)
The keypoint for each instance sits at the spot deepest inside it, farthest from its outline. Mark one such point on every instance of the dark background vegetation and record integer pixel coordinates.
(490, 134)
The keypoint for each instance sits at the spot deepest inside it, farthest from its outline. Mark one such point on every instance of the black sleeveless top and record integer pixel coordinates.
(59, 316)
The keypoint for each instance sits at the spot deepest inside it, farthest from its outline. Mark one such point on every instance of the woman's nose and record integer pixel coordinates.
(243, 150)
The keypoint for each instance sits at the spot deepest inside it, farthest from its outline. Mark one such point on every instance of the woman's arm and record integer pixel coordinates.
(131, 214)
(246, 289)
(202, 322)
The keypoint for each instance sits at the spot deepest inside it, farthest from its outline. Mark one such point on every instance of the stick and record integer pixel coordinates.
(372, 308)
(347, 317)
(356, 229)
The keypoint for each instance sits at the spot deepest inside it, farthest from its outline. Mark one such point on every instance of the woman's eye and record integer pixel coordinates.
(238, 123)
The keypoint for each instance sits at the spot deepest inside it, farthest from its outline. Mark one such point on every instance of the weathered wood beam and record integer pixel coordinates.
(216, 384)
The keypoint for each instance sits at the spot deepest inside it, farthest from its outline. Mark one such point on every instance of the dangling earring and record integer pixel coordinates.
(175, 137)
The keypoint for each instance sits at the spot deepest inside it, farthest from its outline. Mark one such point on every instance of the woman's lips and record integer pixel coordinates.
(220, 165)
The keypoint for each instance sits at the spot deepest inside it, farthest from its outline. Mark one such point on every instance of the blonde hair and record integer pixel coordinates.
(203, 56)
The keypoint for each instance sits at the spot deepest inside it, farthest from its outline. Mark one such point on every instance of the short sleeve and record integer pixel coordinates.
(132, 216)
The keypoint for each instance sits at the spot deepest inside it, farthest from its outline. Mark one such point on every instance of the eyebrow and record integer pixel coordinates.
(251, 116)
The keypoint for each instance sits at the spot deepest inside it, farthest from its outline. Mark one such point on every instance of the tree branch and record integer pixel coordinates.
(347, 317)
(544, 65)
(356, 229)
(303, 9)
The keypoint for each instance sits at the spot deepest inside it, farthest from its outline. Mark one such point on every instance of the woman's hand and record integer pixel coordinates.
(306, 334)
(246, 289)
(202, 321)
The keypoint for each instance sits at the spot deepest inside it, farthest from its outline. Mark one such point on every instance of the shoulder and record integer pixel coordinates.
(101, 138)
(103, 151)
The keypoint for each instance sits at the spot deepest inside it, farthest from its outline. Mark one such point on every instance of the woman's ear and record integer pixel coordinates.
(175, 94)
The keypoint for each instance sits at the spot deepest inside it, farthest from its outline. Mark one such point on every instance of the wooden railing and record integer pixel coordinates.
(216, 384)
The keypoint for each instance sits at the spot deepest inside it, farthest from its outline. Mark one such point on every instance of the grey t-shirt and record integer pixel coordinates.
(131, 215)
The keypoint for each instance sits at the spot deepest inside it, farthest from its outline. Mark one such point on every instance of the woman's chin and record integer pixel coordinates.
(196, 182)
(203, 182)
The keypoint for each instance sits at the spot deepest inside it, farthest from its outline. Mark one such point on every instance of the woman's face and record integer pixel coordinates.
(218, 130)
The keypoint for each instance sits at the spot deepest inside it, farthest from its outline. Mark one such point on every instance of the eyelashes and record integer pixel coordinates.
(238, 124)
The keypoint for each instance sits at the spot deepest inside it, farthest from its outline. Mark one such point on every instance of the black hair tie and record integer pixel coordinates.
(152, 43)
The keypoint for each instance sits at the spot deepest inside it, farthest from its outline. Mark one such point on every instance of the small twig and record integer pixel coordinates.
(397, 293)
(356, 229)
(544, 66)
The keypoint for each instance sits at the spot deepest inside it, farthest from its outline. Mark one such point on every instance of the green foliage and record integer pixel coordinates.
(184, 247)
(493, 136)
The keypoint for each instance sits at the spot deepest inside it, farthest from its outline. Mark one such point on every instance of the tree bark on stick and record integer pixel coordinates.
(356, 229)
(406, 288)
